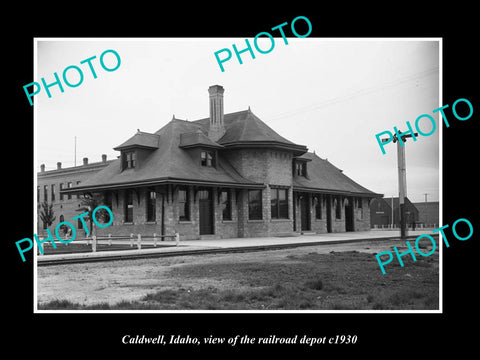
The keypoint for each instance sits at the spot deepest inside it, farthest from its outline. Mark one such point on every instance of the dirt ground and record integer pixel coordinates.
(129, 280)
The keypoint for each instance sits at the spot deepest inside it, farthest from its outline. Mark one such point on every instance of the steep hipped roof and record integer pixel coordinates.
(170, 160)
(140, 140)
(244, 128)
(325, 177)
(197, 139)
(168, 163)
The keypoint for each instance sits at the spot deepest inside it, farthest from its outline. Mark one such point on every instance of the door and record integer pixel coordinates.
(205, 207)
(304, 213)
(349, 216)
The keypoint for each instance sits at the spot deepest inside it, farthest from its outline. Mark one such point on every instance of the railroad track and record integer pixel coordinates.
(186, 252)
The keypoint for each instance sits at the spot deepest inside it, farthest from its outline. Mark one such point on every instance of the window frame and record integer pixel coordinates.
(183, 204)
(255, 211)
(277, 209)
(207, 158)
(69, 185)
(226, 205)
(129, 159)
(151, 203)
(128, 207)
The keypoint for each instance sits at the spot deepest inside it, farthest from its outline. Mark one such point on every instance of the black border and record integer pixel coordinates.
(379, 334)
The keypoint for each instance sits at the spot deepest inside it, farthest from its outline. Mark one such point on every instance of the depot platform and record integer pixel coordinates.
(192, 247)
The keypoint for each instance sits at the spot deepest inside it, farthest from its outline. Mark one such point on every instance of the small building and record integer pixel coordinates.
(225, 176)
(428, 213)
(381, 212)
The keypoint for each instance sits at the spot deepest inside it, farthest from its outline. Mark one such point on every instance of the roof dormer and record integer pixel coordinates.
(136, 149)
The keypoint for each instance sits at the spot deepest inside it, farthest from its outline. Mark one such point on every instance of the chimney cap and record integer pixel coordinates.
(216, 89)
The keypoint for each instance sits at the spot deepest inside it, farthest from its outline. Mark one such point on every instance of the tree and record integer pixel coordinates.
(88, 203)
(47, 214)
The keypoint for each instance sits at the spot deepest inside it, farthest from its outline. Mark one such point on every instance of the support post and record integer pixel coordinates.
(139, 242)
(402, 188)
(94, 243)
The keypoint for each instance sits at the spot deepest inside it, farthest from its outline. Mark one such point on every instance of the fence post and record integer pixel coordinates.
(94, 243)
(88, 240)
(38, 247)
(177, 239)
(139, 242)
(131, 240)
(154, 239)
(109, 239)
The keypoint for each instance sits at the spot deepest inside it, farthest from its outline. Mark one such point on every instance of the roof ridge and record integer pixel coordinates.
(232, 113)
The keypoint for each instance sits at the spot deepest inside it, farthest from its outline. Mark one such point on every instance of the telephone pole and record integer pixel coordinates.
(402, 179)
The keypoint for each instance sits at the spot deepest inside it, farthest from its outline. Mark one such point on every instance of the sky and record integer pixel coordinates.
(332, 95)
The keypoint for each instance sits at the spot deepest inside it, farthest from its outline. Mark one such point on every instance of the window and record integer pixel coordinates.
(128, 208)
(69, 185)
(61, 188)
(128, 160)
(226, 205)
(279, 203)
(300, 169)
(255, 204)
(338, 207)
(53, 192)
(183, 204)
(151, 205)
(207, 158)
(45, 193)
(318, 207)
(360, 208)
(38, 194)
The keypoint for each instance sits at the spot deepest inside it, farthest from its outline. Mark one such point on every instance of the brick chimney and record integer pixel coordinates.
(104, 158)
(59, 165)
(42, 168)
(217, 126)
(85, 161)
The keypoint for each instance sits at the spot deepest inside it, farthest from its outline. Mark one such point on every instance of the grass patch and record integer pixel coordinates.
(308, 281)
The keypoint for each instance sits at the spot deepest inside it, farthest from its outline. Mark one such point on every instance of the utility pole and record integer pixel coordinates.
(402, 179)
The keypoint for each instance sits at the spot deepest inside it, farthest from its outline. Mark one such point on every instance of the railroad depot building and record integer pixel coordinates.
(225, 176)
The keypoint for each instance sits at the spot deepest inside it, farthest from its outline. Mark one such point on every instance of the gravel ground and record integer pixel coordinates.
(114, 281)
